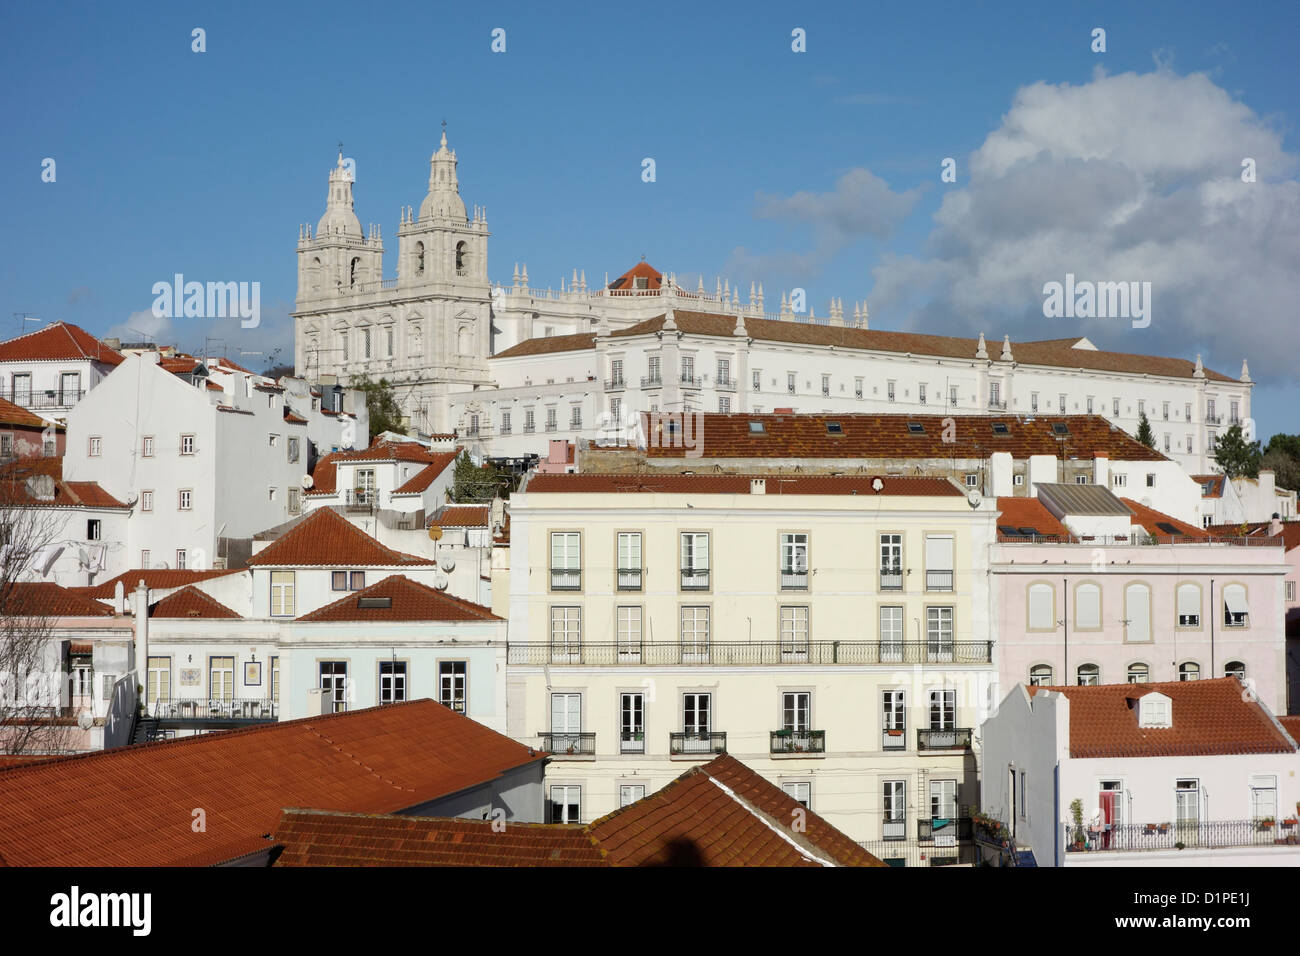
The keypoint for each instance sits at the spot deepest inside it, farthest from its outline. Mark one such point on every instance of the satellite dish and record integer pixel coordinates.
(974, 499)
(85, 721)
(435, 533)
(449, 564)
(308, 481)
(877, 485)
(441, 582)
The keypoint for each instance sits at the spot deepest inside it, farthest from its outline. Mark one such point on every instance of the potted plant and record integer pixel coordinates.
(1164, 828)
(1266, 823)
(1076, 814)
(1290, 821)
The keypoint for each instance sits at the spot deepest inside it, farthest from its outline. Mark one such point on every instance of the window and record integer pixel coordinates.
(187, 444)
(92, 529)
(724, 405)
(1088, 675)
(1154, 710)
(295, 500)
(894, 720)
(1189, 670)
(392, 682)
(1061, 397)
(1042, 607)
(339, 581)
(696, 723)
(995, 394)
(1290, 591)
(1151, 480)
(1189, 444)
(505, 423)
(185, 498)
(615, 410)
(796, 711)
(894, 810)
(1087, 607)
(270, 493)
(695, 560)
(627, 621)
(575, 416)
(1234, 606)
(530, 424)
(789, 382)
(146, 446)
(920, 393)
(1209, 411)
(357, 580)
(272, 440)
(282, 593)
(616, 372)
(631, 722)
(952, 395)
(891, 634)
(938, 633)
(857, 387)
(566, 634)
(1137, 673)
(294, 449)
(1263, 797)
(1040, 675)
(144, 558)
(1118, 481)
(794, 561)
(695, 633)
(1018, 480)
(938, 562)
(1167, 442)
(943, 799)
(943, 709)
(1189, 605)
(1187, 805)
(1088, 405)
(630, 793)
(388, 339)
(95, 444)
(1115, 408)
(1033, 401)
(552, 421)
(758, 379)
(724, 371)
(889, 390)
(1234, 413)
(891, 562)
(972, 481)
(566, 561)
(159, 687)
(798, 790)
(794, 633)
(1137, 612)
(181, 559)
(452, 685)
(1165, 411)
(629, 560)
(1235, 669)
(566, 804)
(221, 679)
(6, 446)
(688, 369)
(22, 388)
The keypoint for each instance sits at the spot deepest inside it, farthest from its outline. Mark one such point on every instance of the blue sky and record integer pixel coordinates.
(816, 169)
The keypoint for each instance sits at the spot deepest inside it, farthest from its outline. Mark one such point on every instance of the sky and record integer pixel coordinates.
(819, 169)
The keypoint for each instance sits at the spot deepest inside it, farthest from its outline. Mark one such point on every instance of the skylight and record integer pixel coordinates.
(834, 428)
(1167, 528)
(1060, 428)
(1000, 428)
(916, 428)
(756, 428)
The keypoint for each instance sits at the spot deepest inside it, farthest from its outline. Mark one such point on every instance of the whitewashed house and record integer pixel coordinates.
(50, 370)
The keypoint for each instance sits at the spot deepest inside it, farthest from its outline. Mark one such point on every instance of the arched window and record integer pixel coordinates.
(419, 258)
(1138, 673)
(352, 278)
(1234, 606)
(1137, 612)
(1040, 675)
(1189, 670)
(1087, 607)
(462, 258)
(1235, 669)
(1089, 675)
(1189, 605)
(1042, 607)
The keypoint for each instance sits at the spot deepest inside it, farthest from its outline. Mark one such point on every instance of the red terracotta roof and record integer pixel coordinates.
(60, 341)
(714, 484)
(642, 270)
(1027, 513)
(1054, 353)
(132, 806)
(461, 516)
(190, 602)
(717, 814)
(1211, 485)
(319, 838)
(324, 475)
(391, 451)
(293, 419)
(1150, 519)
(422, 479)
(1291, 725)
(1209, 717)
(407, 601)
(11, 414)
(214, 387)
(716, 435)
(1260, 529)
(67, 494)
(47, 599)
(155, 579)
(326, 538)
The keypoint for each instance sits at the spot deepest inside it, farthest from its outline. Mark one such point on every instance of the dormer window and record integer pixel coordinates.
(1155, 710)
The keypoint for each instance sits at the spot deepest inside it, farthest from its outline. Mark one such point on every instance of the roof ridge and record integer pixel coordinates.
(771, 824)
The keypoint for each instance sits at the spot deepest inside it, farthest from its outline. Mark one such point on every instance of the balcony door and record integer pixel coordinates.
(221, 682)
(334, 681)
(1187, 810)
(895, 810)
(1110, 803)
(697, 722)
(69, 388)
(566, 721)
(943, 800)
(632, 723)
(891, 635)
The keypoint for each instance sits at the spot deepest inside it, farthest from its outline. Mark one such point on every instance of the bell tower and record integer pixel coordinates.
(339, 260)
(442, 244)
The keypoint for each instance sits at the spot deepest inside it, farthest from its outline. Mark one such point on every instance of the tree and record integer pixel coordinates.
(480, 483)
(1237, 457)
(279, 371)
(1144, 433)
(385, 413)
(31, 665)
(1282, 454)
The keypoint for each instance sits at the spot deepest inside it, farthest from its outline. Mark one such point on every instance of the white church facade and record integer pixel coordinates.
(510, 367)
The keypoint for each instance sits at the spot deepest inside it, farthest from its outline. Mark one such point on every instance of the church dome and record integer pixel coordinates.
(339, 216)
(443, 200)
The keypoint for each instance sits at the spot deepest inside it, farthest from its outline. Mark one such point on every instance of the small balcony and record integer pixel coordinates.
(47, 398)
(569, 745)
(1212, 419)
(615, 384)
(566, 579)
(794, 580)
(894, 830)
(359, 499)
(857, 393)
(938, 580)
(891, 579)
(725, 384)
(997, 405)
(552, 426)
(695, 579)
(954, 738)
(798, 742)
(632, 742)
(893, 738)
(225, 710)
(629, 579)
(927, 830)
(690, 381)
(652, 381)
(529, 428)
(693, 743)
(1177, 834)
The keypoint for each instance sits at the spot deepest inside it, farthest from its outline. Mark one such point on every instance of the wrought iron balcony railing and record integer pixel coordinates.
(893, 738)
(1173, 835)
(569, 745)
(651, 381)
(953, 738)
(926, 830)
(891, 579)
(938, 580)
(695, 579)
(632, 742)
(614, 384)
(703, 743)
(725, 384)
(792, 580)
(629, 579)
(798, 741)
(566, 579)
(215, 708)
(749, 653)
(690, 381)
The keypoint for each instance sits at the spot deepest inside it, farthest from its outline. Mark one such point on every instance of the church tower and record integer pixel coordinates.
(339, 260)
(442, 244)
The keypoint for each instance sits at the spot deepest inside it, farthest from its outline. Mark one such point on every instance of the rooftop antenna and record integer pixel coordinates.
(22, 317)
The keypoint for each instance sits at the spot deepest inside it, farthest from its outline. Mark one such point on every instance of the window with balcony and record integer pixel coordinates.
(566, 634)
(159, 686)
(938, 562)
(392, 682)
(891, 634)
(695, 561)
(653, 374)
(566, 561)
(695, 634)
(631, 723)
(697, 724)
(943, 799)
(794, 633)
(794, 561)
(616, 373)
(629, 561)
(943, 709)
(894, 720)
(627, 623)
(688, 369)
(938, 633)
(894, 810)
(453, 685)
(575, 416)
(566, 736)
(891, 562)
(724, 372)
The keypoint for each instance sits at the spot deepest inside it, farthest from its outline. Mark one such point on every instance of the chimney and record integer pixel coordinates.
(1275, 525)
(758, 486)
(318, 702)
(41, 487)
(141, 608)
(119, 597)
(1267, 485)
(1101, 469)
